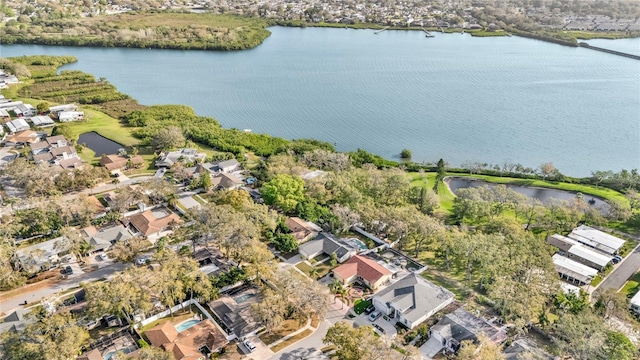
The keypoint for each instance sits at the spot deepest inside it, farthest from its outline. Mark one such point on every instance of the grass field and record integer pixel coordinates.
(428, 180)
(632, 286)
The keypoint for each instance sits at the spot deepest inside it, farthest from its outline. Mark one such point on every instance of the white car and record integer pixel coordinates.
(375, 315)
(249, 345)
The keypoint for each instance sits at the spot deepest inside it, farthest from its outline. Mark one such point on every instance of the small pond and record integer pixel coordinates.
(542, 194)
(99, 144)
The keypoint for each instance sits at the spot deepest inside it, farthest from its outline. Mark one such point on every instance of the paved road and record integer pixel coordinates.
(623, 272)
(10, 304)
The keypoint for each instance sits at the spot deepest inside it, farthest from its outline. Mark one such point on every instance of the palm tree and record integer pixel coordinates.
(313, 273)
(343, 293)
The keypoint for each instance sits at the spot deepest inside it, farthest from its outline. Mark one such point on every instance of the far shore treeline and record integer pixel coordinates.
(42, 83)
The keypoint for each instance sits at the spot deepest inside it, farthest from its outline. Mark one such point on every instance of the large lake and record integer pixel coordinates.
(451, 96)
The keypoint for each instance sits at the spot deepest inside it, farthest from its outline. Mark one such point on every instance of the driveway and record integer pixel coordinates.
(188, 202)
(430, 349)
(261, 351)
(625, 270)
(382, 326)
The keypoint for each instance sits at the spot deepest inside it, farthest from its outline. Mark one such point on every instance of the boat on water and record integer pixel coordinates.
(247, 130)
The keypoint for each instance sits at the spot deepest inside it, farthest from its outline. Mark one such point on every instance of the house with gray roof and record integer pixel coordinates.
(597, 239)
(16, 321)
(526, 349)
(103, 239)
(412, 300)
(461, 325)
(44, 255)
(225, 166)
(186, 155)
(327, 243)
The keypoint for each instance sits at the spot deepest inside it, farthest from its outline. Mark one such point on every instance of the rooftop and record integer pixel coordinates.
(565, 265)
(596, 239)
(363, 267)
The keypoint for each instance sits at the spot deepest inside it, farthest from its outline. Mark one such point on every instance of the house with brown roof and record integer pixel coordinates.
(91, 355)
(153, 222)
(193, 343)
(118, 162)
(362, 269)
(22, 138)
(302, 230)
(226, 181)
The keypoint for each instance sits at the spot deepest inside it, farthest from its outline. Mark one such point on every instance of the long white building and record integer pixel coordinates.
(597, 239)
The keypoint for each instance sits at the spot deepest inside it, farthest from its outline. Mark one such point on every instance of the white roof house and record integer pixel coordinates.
(597, 239)
(572, 270)
(17, 125)
(634, 304)
(4, 114)
(10, 105)
(589, 255)
(65, 107)
(66, 116)
(42, 121)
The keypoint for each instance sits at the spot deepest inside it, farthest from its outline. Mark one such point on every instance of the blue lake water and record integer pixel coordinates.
(451, 96)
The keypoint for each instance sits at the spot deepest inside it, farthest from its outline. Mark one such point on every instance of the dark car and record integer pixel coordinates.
(67, 270)
(369, 309)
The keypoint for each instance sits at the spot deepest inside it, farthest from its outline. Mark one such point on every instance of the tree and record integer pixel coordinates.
(611, 303)
(441, 172)
(618, 346)
(151, 353)
(546, 169)
(271, 311)
(484, 349)
(56, 337)
(285, 242)
(284, 192)
(361, 343)
(42, 107)
(405, 154)
(168, 138)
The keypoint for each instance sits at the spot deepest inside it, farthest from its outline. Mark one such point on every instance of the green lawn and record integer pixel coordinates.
(104, 125)
(632, 286)
(360, 305)
(323, 269)
(428, 180)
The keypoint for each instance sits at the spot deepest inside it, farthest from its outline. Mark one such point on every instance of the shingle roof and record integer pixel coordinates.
(415, 296)
(147, 222)
(162, 334)
(363, 267)
(462, 325)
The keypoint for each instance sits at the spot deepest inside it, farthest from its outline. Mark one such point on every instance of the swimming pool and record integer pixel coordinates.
(186, 324)
(243, 298)
(110, 354)
(357, 243)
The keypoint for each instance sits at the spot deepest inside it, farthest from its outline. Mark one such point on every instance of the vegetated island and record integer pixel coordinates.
(172, 29)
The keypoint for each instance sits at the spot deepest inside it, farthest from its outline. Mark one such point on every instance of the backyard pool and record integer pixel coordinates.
(243, 298)
(186, 324)
(111, 354)
(357, 243)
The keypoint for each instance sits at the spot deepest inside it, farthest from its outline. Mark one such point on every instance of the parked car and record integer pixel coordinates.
(67, 270)
(369, 309)
(616, 259)
(375, 315)
(101, 257)
(249, 345)
(379, 328)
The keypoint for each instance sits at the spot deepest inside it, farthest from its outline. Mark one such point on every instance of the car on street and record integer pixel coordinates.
(67, 270)
(374, 315)
(249, 345)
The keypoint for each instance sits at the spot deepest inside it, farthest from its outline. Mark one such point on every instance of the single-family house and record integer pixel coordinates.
(119, 162)
(91, 355)
(226, 181)
(60, 108)
(578, 252)
(461, 325)
(152, 223)
(17, 125)
(235, 311)
(42, 121)
(16, 321)
(10, 105)
(302, 230)
(4, 116)
(70, 163)
(634, 304)
(224, 166)
(22, 138)
(526, 349)
(103, 239)
(194, 343)
(186, 155)
(66, 116)
(44, 255)
(573, 271)
(328, 244)
(362, 269)
(412, 300)
(25, 110)
(596, 239)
